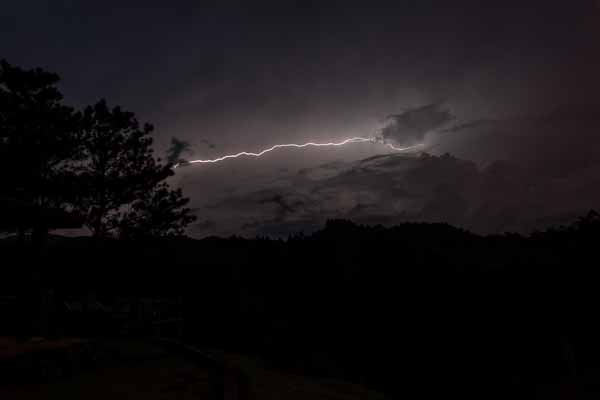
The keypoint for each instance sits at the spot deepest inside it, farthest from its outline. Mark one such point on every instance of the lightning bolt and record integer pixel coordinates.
(309, 144)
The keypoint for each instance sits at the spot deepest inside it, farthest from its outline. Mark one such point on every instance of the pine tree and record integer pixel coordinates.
(39, 144)
(124, 184)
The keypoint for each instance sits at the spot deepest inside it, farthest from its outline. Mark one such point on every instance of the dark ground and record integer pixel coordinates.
(145, 369)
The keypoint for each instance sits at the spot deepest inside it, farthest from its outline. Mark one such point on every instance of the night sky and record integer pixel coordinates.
(504, 94)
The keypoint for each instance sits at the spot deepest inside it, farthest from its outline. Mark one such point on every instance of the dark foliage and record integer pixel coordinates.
(39, 144)
(63, 169)
(417, 308)
(158, 212)
(124, 192)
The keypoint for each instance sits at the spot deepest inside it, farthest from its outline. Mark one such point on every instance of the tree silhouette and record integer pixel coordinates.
(38, 147)
(160, 212)
(123, 184)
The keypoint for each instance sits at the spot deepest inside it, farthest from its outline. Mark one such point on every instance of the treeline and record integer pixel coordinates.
(62, 167)
(424, 307)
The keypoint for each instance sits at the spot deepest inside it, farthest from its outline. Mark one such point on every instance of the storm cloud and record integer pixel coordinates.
(410, 126)
(542, 174)
(519, 117)
(177, 149)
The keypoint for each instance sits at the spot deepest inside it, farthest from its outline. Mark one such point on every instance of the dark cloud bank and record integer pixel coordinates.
(543, 173)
